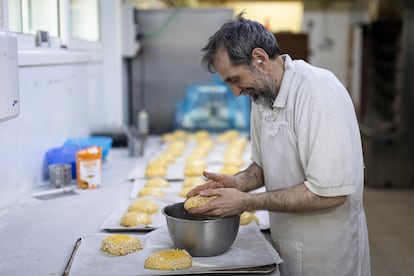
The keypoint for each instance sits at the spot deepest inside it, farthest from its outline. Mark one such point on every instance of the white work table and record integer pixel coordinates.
(37, 236)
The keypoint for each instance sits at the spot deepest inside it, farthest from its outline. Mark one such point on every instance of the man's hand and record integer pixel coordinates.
(229, 202)
(215, 181)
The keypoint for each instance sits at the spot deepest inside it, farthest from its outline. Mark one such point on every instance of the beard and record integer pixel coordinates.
(264, 94)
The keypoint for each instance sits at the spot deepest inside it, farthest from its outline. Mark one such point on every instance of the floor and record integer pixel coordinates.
(390, 218)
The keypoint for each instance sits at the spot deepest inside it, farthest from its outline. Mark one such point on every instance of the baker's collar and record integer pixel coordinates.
(282, 96)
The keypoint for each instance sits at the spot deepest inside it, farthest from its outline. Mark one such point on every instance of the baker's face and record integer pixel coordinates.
(246, 80)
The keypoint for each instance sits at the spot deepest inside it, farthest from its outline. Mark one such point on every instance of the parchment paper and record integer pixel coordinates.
(112, 222)
(250, 249)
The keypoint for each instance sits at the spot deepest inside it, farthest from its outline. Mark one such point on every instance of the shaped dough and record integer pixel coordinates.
(120, 244)
(169, 259)
(143, 205)
(157, 182)
(134, 218)
(197, 201)
(247, 217)
(150, 191)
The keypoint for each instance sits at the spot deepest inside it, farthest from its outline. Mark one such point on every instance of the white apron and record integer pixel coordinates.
(328, 242)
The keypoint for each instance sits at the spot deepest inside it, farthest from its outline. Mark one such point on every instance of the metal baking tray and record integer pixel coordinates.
(251, 253)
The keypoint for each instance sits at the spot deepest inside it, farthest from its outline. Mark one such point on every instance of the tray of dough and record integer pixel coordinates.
(250, 253)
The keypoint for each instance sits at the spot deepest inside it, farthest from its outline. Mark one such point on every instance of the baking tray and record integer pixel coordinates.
(250, 253)
(214, 162)
(112, 222)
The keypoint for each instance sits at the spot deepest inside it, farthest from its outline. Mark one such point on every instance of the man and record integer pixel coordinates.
(306, 150)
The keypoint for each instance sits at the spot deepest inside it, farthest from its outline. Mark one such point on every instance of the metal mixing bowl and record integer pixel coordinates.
(200, 236)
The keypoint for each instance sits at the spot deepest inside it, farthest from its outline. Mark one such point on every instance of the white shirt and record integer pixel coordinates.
(311, 136)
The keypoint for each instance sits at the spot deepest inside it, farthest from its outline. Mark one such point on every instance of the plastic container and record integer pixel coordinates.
(63, 155)
(105, 142)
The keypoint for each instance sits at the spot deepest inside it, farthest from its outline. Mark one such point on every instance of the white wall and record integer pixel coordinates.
(60, 102)
(329, 40)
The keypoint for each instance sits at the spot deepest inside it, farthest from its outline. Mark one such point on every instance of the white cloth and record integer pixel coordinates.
(311, 136)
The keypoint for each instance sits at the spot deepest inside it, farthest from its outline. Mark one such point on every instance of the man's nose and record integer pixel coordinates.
(237, 90)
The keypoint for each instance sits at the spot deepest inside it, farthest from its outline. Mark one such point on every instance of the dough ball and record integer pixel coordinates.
(233, 161)
(120, 244)
(197, 201)
(228, 135)
(180, 134)
(143, 205)
(157, 182)
(194, 170)
(169, 259)
(229, 170)
(192, 181)
(247, 217)
(155, 171)
(167, 137)
(184, 191)
(201, 134)
(135, 218)
(167, 157)
(150, 191)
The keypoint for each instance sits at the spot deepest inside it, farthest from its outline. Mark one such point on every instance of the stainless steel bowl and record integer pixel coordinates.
(200, 236)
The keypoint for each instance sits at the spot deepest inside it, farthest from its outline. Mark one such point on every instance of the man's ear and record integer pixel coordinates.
(259, 56)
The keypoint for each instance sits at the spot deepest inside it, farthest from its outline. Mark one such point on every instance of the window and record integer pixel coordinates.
(30, 16)
(84, 20)
(70, 25)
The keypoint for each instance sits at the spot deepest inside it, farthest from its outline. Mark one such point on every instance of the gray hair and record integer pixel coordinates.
(239, 37)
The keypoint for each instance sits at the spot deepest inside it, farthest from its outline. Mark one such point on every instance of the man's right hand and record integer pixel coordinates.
(215, 181)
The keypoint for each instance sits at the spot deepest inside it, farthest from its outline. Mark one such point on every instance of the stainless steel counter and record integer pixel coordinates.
(37, 236)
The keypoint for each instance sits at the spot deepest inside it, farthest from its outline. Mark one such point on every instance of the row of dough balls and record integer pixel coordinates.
(159, 166)
(133, 218)
(180, 134)
(167, 259)
(154, 187)
(139, 211)
(195, 163)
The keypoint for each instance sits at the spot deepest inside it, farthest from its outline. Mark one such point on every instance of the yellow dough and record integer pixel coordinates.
(229, 170)
(121, 244)
(201, 134)
(169, 259)
(135, 218)
(167, 137)
(155, 171)
(180, 134)
(150, 191)
(197, 201)
(194, 170)
(143, 205)
(228, 135)
(247, 217)
(192, 181)
(184, 191)
(233, 161)
(157, 182)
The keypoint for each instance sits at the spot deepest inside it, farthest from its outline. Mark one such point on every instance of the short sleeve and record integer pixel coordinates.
(255, 129)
